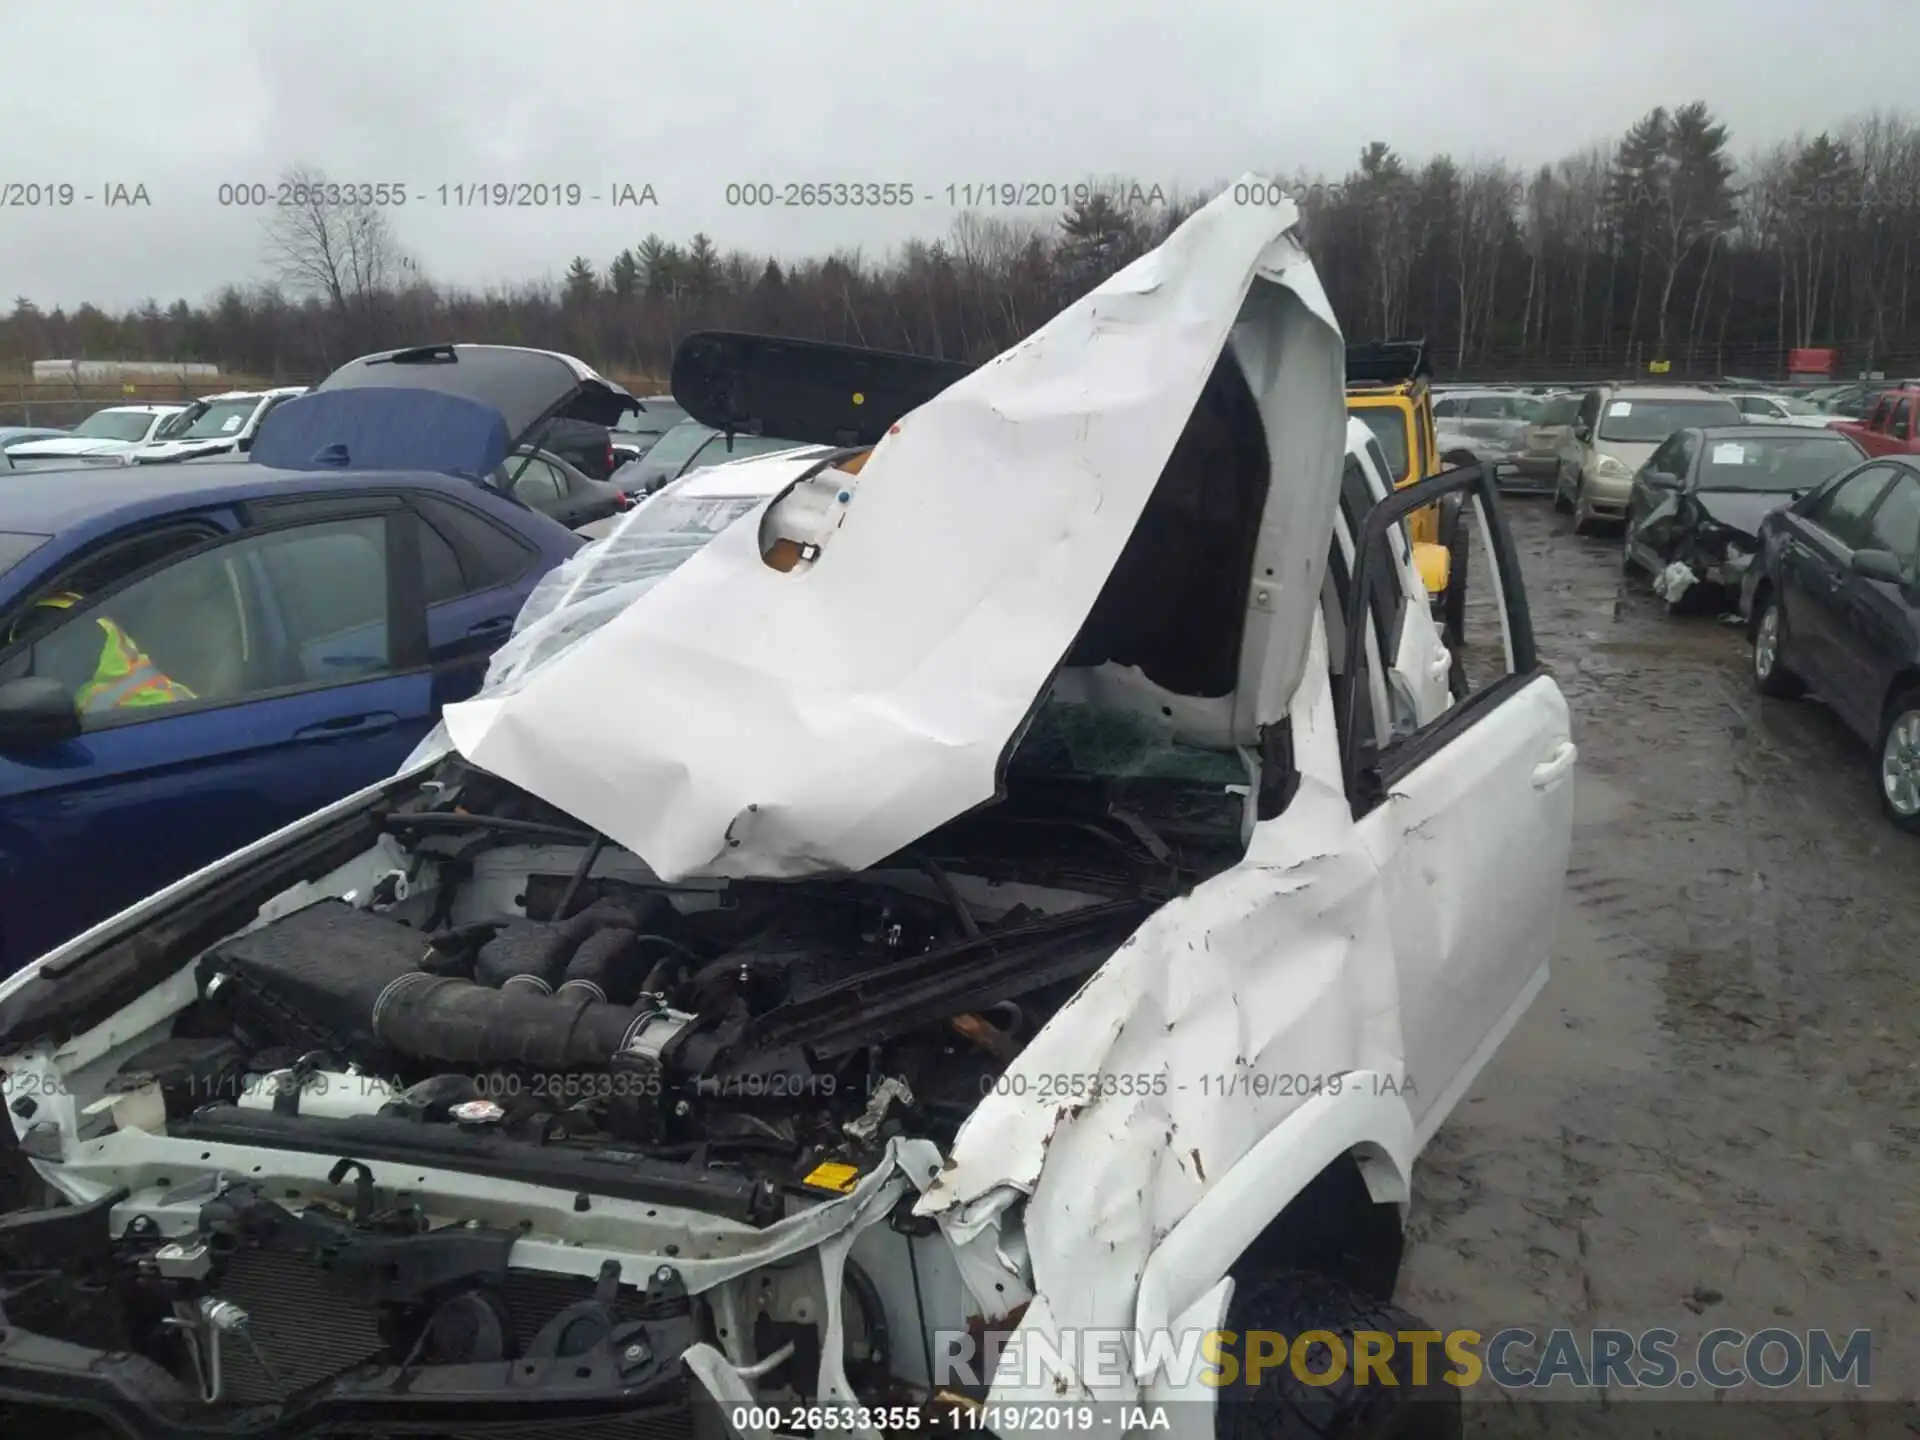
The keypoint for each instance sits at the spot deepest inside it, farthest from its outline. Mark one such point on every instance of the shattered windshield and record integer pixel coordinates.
(595, 584)
(1072, 738)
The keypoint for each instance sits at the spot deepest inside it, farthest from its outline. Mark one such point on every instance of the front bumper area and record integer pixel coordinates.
(137, 1398)
(588, 1364)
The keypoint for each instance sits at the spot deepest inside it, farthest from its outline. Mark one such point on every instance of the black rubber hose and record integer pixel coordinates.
(438, 1017)
(670, 967)
(605, 967)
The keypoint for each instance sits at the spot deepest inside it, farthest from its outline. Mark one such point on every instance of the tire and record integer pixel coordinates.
(1770, 674)
(1281, 1406)
(1901, 730)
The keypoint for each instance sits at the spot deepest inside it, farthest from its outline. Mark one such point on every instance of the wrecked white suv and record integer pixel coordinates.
(1035, 880)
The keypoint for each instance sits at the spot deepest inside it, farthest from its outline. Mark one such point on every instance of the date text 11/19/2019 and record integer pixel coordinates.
(819, 1420)
(1218, 1085)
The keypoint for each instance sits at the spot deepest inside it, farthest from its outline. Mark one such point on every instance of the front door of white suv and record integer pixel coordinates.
(1469, 816)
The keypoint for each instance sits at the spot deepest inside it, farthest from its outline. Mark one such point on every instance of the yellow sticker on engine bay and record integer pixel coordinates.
(832, 1175)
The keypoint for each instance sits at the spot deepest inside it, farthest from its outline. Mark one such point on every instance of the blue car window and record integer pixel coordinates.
(440, 566)
(493, 556)
(296, 607)
(329, 584)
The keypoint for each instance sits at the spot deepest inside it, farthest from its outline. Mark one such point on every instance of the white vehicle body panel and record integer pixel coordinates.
(88, 447)
(872, 694)
(153, 450)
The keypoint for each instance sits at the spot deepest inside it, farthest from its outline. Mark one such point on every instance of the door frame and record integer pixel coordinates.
(1368, 773)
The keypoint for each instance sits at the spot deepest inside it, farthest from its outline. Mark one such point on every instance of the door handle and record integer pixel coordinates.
(1557, 766)
(491, 627)
(348, 725)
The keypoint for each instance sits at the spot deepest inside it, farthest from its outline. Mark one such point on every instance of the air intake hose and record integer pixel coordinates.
(439, 1017)
(605, 967)
(536, 954)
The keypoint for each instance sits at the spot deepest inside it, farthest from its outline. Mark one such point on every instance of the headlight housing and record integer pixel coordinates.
(1605, 467)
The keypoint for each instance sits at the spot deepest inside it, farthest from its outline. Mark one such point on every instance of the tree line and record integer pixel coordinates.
(1657, 247)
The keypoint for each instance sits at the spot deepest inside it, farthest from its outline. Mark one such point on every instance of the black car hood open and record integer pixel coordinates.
(1741, 510)
(526, 387)
(806, 391)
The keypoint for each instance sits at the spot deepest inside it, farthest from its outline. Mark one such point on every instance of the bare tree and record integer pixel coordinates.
(334, 243)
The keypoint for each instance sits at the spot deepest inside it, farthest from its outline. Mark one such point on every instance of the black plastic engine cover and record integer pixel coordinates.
(310, 979)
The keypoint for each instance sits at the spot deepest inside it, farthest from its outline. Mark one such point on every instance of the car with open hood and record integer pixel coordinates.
(988, 888)
(1693, 515)
(222, 424)
(105, 437)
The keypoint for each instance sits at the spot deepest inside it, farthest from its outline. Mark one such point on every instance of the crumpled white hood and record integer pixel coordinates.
(740, 721)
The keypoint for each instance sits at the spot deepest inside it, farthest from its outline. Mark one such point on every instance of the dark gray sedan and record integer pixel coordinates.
(1694, 512)
(544, 482)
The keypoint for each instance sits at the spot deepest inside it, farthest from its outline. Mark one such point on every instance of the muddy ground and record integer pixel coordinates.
(1711, 1115)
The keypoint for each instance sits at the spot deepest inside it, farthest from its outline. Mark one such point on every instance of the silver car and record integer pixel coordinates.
(1616, 428)
(1490, 423)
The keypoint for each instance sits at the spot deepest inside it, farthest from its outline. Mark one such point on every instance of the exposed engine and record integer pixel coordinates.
(516, 999)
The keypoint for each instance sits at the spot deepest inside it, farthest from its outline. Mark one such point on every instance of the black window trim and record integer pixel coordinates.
(1369, 778)
(407, 650)
(205, 526)
(1822, 495)
(471, 561)
(1389, 598)
(1900, 472)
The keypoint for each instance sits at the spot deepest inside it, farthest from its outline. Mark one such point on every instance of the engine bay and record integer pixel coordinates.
(510, 996)
(506, 992)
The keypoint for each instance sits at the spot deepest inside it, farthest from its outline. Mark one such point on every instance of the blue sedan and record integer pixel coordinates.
(309, 618)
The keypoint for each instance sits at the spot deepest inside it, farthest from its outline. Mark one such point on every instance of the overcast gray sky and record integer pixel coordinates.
(181, 96)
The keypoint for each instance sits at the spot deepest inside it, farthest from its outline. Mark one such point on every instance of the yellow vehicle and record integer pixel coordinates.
(1390, 390)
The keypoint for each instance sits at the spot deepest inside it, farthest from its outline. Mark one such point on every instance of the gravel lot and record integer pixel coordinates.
(1711, 1116)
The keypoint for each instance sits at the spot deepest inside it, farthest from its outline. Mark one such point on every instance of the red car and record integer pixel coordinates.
(1893, 428)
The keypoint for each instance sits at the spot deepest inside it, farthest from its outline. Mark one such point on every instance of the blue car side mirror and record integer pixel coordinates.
(36, 711)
